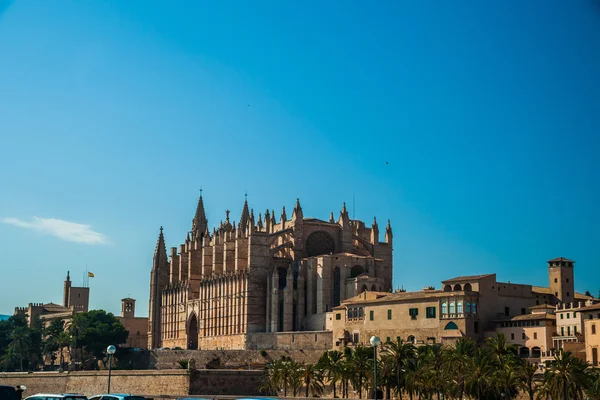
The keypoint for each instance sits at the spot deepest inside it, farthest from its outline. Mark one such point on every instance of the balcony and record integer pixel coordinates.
(459, 315)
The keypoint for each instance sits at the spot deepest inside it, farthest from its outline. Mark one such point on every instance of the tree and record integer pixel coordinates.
(20, 344)
(101, 330)
(400, 352)
(567, 377)
(331, 363)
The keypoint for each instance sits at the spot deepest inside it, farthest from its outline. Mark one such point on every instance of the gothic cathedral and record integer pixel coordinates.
(261, 278)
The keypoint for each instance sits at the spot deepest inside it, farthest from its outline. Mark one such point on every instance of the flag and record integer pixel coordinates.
(90, 275)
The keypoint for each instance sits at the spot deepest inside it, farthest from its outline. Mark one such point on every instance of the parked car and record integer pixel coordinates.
(117, 396)
(55, 396)
(8, 393)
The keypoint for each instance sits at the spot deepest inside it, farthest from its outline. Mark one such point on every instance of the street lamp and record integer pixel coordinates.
(375, 341)
(110, 350)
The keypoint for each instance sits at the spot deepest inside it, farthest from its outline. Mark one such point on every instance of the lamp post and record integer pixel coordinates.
(110, 350)
(375, 341)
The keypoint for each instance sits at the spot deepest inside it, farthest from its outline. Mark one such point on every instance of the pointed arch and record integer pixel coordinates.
(192, 332)
(450, 326)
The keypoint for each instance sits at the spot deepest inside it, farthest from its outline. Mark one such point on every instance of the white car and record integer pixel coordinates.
(116, 396)
(55, 396)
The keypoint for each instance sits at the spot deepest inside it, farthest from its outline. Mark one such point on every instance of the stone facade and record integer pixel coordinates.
(75, 299)
(470, 306)
(221, 288)
(136, 326)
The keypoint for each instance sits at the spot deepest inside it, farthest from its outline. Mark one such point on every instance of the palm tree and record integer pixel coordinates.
(480, 374)
(331, 363)
(362, 358)
(567, 377)
(400, 351)
(20, 343)
(312, 380)
(526, 379)
(62, 340)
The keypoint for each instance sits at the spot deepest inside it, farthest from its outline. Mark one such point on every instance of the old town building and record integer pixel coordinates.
(255, 283)
(136, 326)
(469, 306)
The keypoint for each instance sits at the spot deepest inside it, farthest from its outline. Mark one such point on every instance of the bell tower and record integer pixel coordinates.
(561, 279)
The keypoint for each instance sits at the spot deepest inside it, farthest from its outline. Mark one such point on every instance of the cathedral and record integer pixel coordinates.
(248, 282)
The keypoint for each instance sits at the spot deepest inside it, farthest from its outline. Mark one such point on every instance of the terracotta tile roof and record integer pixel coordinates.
(545, 290)
(533, 317)
(467, 278)
(593, 307)
(401, 296)
(561, 259)
(541, 306)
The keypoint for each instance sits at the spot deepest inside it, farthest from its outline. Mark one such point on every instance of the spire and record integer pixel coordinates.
(273, 219)
(68, 277)
(160, 252)
(245, 214)
(283, 216)
(199, 221)
(344, 220)
(331, 219)
(388, 232)
(375, 232)
(297, 213)
(259, 224)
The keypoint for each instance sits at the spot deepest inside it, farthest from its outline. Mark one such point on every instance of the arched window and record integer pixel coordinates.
(444, 308)
(457, 287)
(355, 313)
(361, 312)
(364, 288)
(459, 307)
(536, 352)
(452, 308)
(411, 339)
(468, 308)
(474, 308)
(468, 287)
(349, 313)
(450, 326)
(447, 288)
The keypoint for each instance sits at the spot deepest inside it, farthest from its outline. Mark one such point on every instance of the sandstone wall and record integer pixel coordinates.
(229, 359)
(174, 382)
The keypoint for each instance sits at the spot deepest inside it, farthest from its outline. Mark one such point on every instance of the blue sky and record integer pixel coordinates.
(113, 114)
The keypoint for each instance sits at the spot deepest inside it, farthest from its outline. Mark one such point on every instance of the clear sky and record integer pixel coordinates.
(473, 126)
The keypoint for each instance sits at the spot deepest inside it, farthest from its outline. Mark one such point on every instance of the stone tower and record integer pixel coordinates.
(128, 307)
(66, 290)
(159, 278)
(560, 277)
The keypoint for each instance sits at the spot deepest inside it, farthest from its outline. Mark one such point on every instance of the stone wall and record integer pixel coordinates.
(174, 382)
(229, 359)
(314, 340)
(226, 382)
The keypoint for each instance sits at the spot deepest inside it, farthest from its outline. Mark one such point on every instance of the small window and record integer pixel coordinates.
(338, 316)
(567, 280)
(512, 336)
(535, 335)
(562, 316)
(506, 311)
(593, 329)
(389, 314)
(568, 315)
(562, 331)
(575, 330)
(413, 312)
(430, 312)
(555, 280)
(556, 294)
(371, 315)
(523, 311)
(575, 314)
(398, 338)
(568, 294)
(387, 340)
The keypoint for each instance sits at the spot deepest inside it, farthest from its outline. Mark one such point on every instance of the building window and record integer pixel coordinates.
(349, 313)
(568, 331)
(468, 308)
(389, 314)
(512, 336)
(535, 335)
(452, 307)
(593, 329)
(338, 316)
(411, 339)
(568, 315)
(556, 294)
(562, 316)
(523, 336)
(398, 338)
(355, 338)
(444, 308)
(474, 308)
(413, 312)
(459, 307)
(387, 340)
(567, 280)
(575, 314)
(575, 330)
(361, 313)
(568, 294)
(430, 312)
(555, 280)
(506, 311)
(371, 315)
(562, 331)
(523, 311)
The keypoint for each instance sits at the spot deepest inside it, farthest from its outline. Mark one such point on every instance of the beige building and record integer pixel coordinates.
(136, 326)
(75, 299)
(531, 333)
(254, 283)
(592, 342)
(469, 306)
